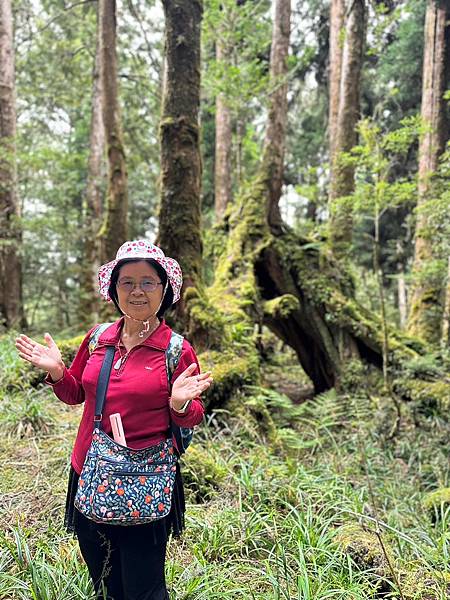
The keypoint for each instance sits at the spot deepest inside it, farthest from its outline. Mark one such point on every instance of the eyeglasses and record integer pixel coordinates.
(146, 285)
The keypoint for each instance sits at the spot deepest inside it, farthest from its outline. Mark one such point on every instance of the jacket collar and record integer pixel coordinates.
(158, 339)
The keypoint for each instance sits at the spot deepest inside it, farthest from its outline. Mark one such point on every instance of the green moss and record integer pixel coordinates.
(281, 307)
(425, 314)
(329, 289)
(364, 548)
(427, 395)
(222, 316)
(230, 372)
(202, 475)
(434, 500)
(420, 584)
(206, 325)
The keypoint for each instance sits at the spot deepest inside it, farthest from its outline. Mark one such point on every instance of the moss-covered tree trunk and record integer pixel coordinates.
(114, 229)
(342, 176)
(222, 166)
(267, 274)
(89, 306)
(426, 298)
(179, 216)
(11, 304)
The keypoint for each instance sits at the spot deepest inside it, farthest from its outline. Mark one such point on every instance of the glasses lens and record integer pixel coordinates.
(126, 285)
(147, 285)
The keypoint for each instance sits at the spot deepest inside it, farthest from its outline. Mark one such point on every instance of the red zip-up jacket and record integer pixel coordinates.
(138, 390)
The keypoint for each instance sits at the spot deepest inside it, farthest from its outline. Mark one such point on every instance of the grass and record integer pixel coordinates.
(266, 517)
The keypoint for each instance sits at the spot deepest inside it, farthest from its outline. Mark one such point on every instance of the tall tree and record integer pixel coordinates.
(445, 333)
(275, 138)
(337, 12)
(425, 308)
(114, 229)
(94, 190)
(342, 175)
(222, 165)
(179, 216)
(11, 305)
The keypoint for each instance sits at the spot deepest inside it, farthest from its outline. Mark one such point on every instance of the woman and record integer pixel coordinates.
(127, 562)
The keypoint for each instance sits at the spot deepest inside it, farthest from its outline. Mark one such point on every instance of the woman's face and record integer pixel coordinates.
(138, 296)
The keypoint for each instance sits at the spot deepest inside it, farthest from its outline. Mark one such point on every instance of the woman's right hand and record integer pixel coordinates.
(43, 357)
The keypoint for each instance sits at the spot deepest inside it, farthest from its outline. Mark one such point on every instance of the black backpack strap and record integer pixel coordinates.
(102, 384)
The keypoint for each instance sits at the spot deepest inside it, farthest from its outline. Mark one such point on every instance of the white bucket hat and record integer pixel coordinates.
(145, 250)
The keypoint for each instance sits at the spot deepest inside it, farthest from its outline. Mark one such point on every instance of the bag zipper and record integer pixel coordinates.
(156, 462)
(138, 473)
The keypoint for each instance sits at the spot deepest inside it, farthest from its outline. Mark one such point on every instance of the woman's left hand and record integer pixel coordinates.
(187, 386)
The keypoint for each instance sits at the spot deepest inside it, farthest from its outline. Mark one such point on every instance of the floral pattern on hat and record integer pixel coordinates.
(141, 249)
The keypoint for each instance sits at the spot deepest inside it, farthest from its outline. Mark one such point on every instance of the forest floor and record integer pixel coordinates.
(301, 510)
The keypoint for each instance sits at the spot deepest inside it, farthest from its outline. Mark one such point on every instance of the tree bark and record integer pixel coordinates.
(345, 136)
(222, 175)
(445, 335)
(11, 304)
(337, 12)
(179, 216)
(114, 229)
(401, 294)
(426, 309)
(274, 143)
(89, 306)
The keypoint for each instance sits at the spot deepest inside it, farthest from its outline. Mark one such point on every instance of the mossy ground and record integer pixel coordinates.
(272, 483)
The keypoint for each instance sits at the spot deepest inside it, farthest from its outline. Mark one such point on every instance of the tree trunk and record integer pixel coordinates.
(445, 336)
(222, 175)
(11, 304)
(89, 306)
(426, 309)
(274, 143)
(179, 217)
(401, 294)
(114, 229)
(342, 176)
(337, 12)
(238, 149)
(276, 278)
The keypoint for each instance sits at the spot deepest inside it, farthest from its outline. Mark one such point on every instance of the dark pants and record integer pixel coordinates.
(125, 563)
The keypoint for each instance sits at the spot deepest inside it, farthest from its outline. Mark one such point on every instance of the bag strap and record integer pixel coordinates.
(173, 355)
(93, 340)
(102, 384)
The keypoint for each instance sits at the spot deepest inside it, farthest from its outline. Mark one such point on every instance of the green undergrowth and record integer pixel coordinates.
(285, 500)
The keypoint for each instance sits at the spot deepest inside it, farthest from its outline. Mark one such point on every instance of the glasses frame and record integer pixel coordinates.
(140, 284)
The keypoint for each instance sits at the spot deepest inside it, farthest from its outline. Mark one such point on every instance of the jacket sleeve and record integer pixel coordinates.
(69, 388)
(195, 411)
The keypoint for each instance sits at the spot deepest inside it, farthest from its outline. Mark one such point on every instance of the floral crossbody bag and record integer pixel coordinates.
(120, 485)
